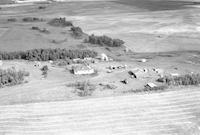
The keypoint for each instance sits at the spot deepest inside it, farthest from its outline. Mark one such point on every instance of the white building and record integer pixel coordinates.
(151, 85)
(104, 57)
(82, 70)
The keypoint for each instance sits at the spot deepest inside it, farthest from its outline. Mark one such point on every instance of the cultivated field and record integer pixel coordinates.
(170, 113)
(160, 30)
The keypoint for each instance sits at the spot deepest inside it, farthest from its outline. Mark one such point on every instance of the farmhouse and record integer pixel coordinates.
(82, 70)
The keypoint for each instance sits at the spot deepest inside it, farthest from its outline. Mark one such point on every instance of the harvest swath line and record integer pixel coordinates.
(156, 113)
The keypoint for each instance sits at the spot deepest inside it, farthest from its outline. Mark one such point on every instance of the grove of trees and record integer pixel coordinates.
(77, 31)
(60, 22)
(104, 41)
(47, 54)
(188, 79)
(10, 77)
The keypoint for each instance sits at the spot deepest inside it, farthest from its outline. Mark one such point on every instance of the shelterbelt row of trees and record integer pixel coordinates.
(47, 54)
(104, 41)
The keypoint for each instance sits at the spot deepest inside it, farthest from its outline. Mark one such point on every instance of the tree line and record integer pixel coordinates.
(188, 79)
(47, 54)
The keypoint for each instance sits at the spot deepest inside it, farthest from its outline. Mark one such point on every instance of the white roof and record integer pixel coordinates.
(151, 85)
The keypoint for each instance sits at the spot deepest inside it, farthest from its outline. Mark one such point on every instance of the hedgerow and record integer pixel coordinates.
(104, 41)
(60, 22)
(189, 79)
(47, 54)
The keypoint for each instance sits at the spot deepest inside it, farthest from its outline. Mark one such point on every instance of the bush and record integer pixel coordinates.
(77, 31)
(12, 20)
(189, 79)
(47, 54)
(83, 88)
(148, 89)
(10, 77)
(35, 28)
(60, 22)
(32, 19)
(157, 88)
(44, 70)
(41, 7)
(104, 41)
(44, 30)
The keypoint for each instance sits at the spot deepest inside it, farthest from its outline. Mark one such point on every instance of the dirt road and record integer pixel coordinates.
(149, 114)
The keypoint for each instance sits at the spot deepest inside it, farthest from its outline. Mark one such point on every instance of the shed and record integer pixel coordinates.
(174, 74)
(142, 60)
(151, 85)
(104, 57)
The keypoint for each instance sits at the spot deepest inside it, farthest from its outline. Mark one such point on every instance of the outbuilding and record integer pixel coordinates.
(82, 70)
(104, 57)
(151, 85)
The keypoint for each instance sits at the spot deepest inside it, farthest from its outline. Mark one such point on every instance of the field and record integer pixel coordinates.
(160, 31)
(161, 38)
(170, 113)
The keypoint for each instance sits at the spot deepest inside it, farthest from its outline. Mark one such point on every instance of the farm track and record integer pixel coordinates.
(149, 114)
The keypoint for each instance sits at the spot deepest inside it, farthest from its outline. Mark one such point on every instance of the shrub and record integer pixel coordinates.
(47, 54)
(83, 88)
(189, 79)
(157, 88)
(35, 28)
(41, 7)
(32, 19)
(10, 77)
(44, 30)
(104, 41)
(60, 22)
(148, 89)
(12, 20)
(77, 31)
(44, 70)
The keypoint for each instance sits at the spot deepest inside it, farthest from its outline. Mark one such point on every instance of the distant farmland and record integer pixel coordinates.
(6, 2)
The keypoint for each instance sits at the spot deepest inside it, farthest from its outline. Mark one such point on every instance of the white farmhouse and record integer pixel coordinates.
(82, 70)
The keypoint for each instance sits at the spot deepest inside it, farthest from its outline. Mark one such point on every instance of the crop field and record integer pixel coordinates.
(157, 31)
(170, 113)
